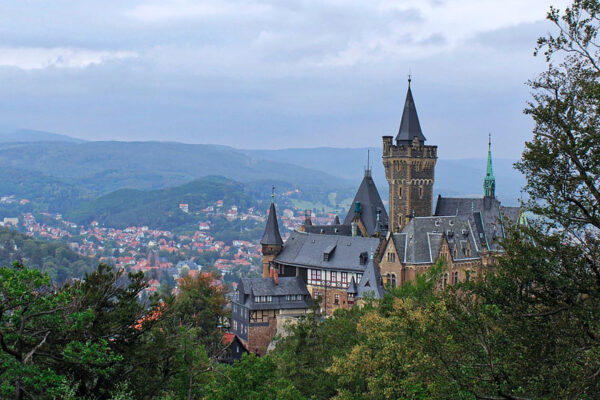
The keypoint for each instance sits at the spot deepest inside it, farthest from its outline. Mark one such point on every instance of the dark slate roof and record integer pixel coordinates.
(409, 125)
(371, 282)
(336, 229)
(306, 250)
(370, 202)
(352, 287)
(271, 235)
(487, 214)
(266, 287)
(421, 239)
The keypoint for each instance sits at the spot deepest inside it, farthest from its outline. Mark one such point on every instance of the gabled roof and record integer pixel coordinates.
(486, 214)
(271, 235)
(421, 239)
(293, 285)
(371, 282)
(409, 125)
(306, 249)
(370, 202)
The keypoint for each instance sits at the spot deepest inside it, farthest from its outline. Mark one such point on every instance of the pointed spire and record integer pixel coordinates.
(409, 125)
(272, 235)
(489, 183)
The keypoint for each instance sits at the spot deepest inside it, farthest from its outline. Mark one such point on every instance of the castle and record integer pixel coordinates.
(343, 263)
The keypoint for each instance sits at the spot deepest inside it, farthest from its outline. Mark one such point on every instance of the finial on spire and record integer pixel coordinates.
(368, 168)
(273, 194)
(409, 78)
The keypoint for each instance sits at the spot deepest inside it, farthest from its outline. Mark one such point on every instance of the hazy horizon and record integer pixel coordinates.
(272, 75)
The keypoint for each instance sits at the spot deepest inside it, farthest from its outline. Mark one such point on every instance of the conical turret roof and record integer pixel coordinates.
(370, 204)
(271, 235)
(409, 125)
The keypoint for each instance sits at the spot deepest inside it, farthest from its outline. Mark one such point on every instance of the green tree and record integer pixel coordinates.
(305, 355)
(252, 378)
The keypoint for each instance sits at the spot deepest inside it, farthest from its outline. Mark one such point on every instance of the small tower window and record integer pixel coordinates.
(420, 192)
(400, 192)
(391, 257)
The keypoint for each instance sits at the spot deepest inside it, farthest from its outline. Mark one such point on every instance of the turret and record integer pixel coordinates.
(271, 240)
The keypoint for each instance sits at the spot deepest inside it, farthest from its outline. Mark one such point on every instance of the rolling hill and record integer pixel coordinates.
(159, 208)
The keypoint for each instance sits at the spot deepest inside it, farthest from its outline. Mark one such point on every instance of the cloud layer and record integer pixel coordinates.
(291, 73)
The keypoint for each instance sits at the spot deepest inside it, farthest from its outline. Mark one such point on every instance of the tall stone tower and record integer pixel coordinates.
(409, 169)
(271, 240)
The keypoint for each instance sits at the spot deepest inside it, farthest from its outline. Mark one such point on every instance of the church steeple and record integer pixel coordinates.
(489, 183)
(409, 125)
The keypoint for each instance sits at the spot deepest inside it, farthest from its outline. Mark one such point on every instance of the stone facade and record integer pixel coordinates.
(269, 252)
(410, 172)
(260, 335)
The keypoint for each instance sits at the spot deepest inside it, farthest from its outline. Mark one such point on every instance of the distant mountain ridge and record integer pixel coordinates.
(10, 135)
(453, 178)
(71, 171)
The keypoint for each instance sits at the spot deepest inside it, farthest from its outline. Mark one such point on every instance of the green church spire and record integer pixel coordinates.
(489, 183)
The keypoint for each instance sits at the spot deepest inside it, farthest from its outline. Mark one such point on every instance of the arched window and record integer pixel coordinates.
(420, 192)
(393, 280)
(388, 278)
(400, 192)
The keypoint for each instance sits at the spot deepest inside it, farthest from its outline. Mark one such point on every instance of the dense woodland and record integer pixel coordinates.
(529, 330)
(55, 259)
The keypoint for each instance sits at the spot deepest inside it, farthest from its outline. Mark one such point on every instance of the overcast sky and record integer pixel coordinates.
(273, 73)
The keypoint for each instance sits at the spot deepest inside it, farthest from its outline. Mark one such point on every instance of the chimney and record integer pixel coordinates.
(275, 275)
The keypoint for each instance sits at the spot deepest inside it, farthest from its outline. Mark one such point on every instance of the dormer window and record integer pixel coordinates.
(328, 253)
(363, 258)
(263, 299)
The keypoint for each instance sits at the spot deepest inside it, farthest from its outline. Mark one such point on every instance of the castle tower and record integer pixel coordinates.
(409, 169)
(271, 240)
(489, 182)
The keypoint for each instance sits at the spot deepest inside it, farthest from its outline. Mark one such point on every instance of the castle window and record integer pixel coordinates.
(358, 277)
(336, 299)
(317, 295)
(393, 280)
(454, 277)
(388, 278)
(333, 278)
(444, 281)
(400, 192)
(315, 276)
(391, 257)
(420, 192)
(344, 278)
(350, 298)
